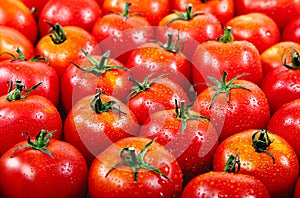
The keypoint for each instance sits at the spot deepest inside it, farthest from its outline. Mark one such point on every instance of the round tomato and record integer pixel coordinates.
(135, 167)
(43, 168)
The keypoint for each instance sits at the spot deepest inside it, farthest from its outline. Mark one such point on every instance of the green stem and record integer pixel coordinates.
(56, 33)
(262, 143)
(227, 37)
(18, 92)
(125, 13)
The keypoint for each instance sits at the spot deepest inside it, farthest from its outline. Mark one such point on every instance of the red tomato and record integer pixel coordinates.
(30, 72)
(272, 57)
(233, 106)
(223, 9)
(135, 167)
(64, 44)
(43, 168)
(190, 137)
(223, 184)
(257, 28)
(83, 14)
(17, 15)
(95, 122)
(281, 11)
(11, 40)
(35, 6)
(266, 156)
(291, 32)
(122, 32)
(152, 10)
(285, 123)
(20, 112)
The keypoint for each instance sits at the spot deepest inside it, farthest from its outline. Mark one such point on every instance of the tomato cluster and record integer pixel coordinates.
(119, 98)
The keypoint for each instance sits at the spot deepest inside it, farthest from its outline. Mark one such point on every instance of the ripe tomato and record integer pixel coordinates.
(285, 123)
(252, 27)
(21, 112)
(283, 81)
(43, 168)
(193, 28)
(212, 58)
(30, 72)
(63, 44)
(291, 32)
(281, 11)
(233, 106)
(272, 57)
(86, 75)
(154, 94)
(264, 155)
(95, 122)
(223, 184)
(190, 137)
(17, 15)
(122, 32)
(11, 40)
(83, 14)
(35, 6)
(223, 9)
(152, 10)
(135, 167)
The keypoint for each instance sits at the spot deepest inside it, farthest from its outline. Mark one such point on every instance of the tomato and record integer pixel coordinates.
(21, 112)
(190, 137)
(96, 121)
(283, 81)
(271, 58)
(152, 10)
(35, 6)
(30, 72)
(193, 28)
(223, 184)
(83, 14)
(86, 75)
(291, 32)
(223, 10)
(285, 123)
(252, 27)
(11, 40)
(212, 58)
(233, 106)
(43, 168)
(154, 94)
(264, 155)
(281, 11)
(17, 15)
(135, 167)
(63, 44)
(122, 32)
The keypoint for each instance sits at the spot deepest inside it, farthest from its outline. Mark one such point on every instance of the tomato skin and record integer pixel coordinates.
(30, 73)
(37, 5)
(291, 32)
(33, 173)
(93, 132)
(297, 189)
(82, 14)
(120, 182)
(11, 40)
(30, 114)
(223, 184)
(260, 165)
(252, 27)
(17, 15)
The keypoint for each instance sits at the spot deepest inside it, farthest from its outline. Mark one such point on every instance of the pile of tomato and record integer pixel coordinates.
(129, 98)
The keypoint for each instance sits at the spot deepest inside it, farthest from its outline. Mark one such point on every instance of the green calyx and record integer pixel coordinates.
(170, 46)
(19, 92)
(295, 58)
(98, 68)
(233, 164)
(145, 85)
(100, 107)
(224, 87)
(186, 16)
(41, 142)
(22, 57)
(56, 33)
(262, 143)
(227, 37)
(125, 13)
(136, 161)
(183, 113)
